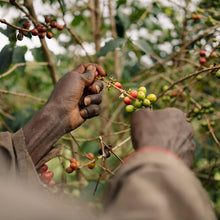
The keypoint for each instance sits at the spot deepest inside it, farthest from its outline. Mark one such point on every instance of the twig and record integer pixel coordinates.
(120, 90)
(6, 114)
(110, 149)
(74, 139)
(13, 26)
(100, 175)
(23, 95)
(72, 33)
(51, 64)
(55, 152)
(5, 125)
(106, 169)
(107, 135)
(189, 76)
(22, 64)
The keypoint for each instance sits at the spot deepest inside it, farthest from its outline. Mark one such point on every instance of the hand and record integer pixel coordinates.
(67, 108)
(69, 99)
(166, 128)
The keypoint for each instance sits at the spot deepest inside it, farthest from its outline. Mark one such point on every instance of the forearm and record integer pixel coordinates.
(42, 131)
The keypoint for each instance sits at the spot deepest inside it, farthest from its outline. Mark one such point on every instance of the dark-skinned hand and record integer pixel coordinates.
(167, 129)
(70, 98)
(69, 105)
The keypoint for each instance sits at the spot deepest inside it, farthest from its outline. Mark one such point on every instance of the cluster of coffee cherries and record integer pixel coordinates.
(46, 176)
(137, 98)
(74, 164)
(206, 109)
(41, 30)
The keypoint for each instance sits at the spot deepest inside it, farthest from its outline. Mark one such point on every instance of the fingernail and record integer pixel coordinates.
(84, 113)
(90, 67)
(87, 101)
(97, 89)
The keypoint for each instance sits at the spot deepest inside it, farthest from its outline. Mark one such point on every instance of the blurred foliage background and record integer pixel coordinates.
(150, 43)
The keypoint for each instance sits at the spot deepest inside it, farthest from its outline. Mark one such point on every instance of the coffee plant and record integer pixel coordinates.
(156, 53)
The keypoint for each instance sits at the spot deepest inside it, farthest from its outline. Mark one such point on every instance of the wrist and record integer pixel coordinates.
(42, 131)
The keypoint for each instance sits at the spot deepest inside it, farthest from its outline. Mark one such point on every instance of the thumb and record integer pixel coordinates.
(89, 74)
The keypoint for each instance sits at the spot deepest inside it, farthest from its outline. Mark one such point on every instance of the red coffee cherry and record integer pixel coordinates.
(43, 168)
(42, 29)
(213, 54)
(202, 60)
(73, 160)
(60, 27)
(34, 32)
(20, 36)
(127, 101)
(42, 35)
(49, 35)
(117, 84)
(53, 24)
(46, 176)
(202, 53)
(73, 165)
(133, 93)
(47, 18)
(77, 164)
(90, 156)
(69, 169)
(96, 73)
(88, 88)
(26, 24)
(91, 165)
(51, 182)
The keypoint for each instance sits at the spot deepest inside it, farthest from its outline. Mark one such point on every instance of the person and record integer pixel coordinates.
(155, 182)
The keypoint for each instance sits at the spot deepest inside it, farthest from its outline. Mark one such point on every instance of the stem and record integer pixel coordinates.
(48, 55)
(120, 90)
(14, 26)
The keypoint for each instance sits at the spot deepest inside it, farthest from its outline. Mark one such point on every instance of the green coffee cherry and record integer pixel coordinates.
(141, 95)
(138, 103)
(199, 77)
(146, 102)
(199, 117)
(165, 88)
(129, 108)
(218, 74)
(207, 105)
(143, 89)
(152, 97)
(166, 98)
(196, 110)
(212, 123)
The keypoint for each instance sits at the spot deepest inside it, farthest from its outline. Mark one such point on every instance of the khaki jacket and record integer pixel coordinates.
(152, 184)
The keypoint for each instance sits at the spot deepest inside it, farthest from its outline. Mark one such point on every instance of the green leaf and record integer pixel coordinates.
(10, 33)
(38, 54)
(111, 46)
(143, 45)
(6, 57)
(18, 56)
(120, 2)
(77, 20)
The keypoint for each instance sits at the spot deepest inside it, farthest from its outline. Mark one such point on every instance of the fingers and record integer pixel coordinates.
(89, 74)
(96, 87)
(82, 68)
(90, 111)
(93, 99)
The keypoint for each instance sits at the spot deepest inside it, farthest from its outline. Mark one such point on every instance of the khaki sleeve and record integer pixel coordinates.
(156, 185)
(15, 161)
